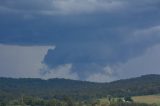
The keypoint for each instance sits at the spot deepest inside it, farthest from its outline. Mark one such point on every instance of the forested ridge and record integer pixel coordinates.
(11, 88)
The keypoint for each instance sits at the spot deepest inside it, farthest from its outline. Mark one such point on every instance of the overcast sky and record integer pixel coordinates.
(93, 40)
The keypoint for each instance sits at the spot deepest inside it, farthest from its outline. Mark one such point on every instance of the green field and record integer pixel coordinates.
(150, 99)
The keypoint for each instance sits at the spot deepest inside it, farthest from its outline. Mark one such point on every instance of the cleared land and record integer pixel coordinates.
(150, 99)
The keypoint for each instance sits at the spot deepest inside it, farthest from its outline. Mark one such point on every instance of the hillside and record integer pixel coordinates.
(11, 88)
(144, 85)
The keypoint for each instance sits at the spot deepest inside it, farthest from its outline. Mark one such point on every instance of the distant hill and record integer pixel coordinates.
(11, 88)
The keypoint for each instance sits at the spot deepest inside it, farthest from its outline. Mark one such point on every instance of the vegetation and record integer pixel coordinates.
(65, 101)
(62, 92)
(149, 99)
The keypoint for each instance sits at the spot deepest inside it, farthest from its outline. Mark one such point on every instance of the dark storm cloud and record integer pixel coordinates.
(89, 34)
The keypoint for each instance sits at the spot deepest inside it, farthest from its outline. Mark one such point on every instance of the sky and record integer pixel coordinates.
(91, 40)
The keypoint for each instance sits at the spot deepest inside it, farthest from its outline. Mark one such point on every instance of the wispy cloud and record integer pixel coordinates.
(63, 71)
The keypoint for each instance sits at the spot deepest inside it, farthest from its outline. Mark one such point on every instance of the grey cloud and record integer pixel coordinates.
(54, 7)
(29, 5)
(108, 33)
(91, 57)
(60, 5)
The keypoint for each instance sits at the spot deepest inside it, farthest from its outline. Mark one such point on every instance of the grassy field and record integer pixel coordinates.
(150, 99)
(104, 101)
